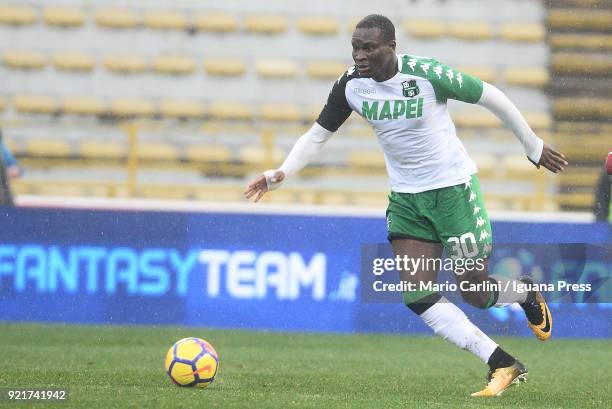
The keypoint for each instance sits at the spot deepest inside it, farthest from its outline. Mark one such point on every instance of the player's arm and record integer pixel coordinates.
(308, 146)
(537, 151)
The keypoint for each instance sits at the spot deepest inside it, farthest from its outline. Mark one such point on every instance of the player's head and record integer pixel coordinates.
(374, 46)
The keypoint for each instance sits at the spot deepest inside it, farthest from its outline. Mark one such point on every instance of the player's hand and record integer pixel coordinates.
(552, 160)
(269, 180)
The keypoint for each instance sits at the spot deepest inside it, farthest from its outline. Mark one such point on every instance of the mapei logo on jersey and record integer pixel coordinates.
(410, 88)
(394, 109)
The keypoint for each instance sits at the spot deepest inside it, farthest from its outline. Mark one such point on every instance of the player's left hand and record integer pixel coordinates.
(552, 160)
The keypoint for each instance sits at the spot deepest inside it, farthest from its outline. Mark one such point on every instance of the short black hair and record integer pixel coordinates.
(382, 23)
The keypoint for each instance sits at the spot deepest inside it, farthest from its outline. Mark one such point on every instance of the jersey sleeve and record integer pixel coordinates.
(449, 83)
(336, 109)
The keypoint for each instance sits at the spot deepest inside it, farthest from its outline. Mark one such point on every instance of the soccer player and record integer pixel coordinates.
(435, 200)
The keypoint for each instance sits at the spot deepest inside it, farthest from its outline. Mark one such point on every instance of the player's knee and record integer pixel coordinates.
(478, 300)
(420, 301)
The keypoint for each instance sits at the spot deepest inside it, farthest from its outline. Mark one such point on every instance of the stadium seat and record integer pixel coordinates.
(583, 108)
(280, 112)
(276, 68)
(319, 25)
(102, 149)
(24, 60)
(523, 32)
(85, 105)
(257, 155)
(174, 64)
(484, 73)
(425, 28)
(327, 70)
(477, 118)
(265, 24)
(181, 109)
(216, 22)
(208, 153)
(518, 166)
(162, 192)
(529, 76)
(165, 20)
(129, 107)
(63, 17)
(16, 15)
(581, 41)
(225, 67)
(230, 110)
(2, 104)
(538, 120)
(34, 104)
(73, 61)
(116, 18)
(124, 64)
(486, 163)
(47, 147)
(369, 199)
(575, 63)
(219, 195)
(471, 30)
(161, 151)
(370, 159)
(573, 19)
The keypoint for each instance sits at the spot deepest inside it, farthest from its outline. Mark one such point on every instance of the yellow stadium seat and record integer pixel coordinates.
(486, 163)
(529, 76)
(47, 147)
(116, 18)
(2, 104)
(425, 28)
(471, 30)
(165, 20)
(573, 19)
(370, 199)
(276, 68)
(583, 108)
(518, 165)
(126, 64)
(539, 120)
(523, 32)
(280, 112)
(157, 151)
(208, 153)
(257, 154)
(325, 69)
(265, 24)
(174, 64)
(102, 149)
(16, 15)
(127, 107)
(230, 110)
(22, 59)
(73, 61)
(319, 25)
(181, 109)
(220, 195)
(216, 22)
(484, 73)
(581, 63)
(476, 119)
(581, 41)
(83, 105)
(34, 104)
(162, 192)
(227, 67)
(63, 17)
(359, 158)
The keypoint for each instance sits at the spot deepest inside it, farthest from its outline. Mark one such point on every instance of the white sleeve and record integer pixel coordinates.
(498, 103)
(306, 148)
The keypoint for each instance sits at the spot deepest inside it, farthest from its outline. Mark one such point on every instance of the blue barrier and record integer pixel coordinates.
(276, 272)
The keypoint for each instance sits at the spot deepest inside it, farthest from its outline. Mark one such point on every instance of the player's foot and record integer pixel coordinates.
(537, 312)
(501, 379)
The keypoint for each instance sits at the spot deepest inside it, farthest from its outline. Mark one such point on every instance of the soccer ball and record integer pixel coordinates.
(192, 362)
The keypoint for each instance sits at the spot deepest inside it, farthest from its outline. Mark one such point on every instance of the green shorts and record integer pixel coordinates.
(454, 216)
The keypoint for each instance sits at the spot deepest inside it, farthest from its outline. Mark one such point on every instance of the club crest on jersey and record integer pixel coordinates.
(410, 88)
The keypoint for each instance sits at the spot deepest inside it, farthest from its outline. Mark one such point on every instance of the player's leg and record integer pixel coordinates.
(465, 230)
(413, 236)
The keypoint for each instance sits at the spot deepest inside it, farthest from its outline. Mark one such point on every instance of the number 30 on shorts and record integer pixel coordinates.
(464, 246)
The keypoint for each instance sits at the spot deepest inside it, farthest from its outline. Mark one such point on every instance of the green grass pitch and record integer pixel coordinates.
(122, 367)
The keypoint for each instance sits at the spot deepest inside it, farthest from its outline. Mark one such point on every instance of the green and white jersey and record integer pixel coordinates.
(410, 116)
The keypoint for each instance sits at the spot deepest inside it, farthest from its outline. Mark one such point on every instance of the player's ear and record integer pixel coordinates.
(392, 44)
